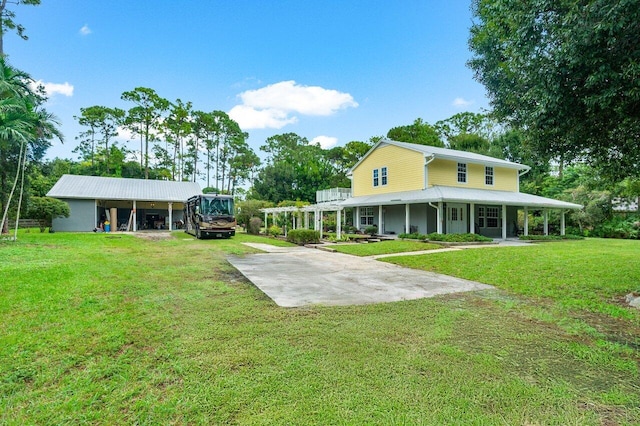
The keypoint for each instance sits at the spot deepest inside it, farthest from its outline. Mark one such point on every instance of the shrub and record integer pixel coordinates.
(254, 226)
(457, 238)
(413, 236)
(551, 237)
(45, 209)
(303, 236)
(371, 230)
(275, 230)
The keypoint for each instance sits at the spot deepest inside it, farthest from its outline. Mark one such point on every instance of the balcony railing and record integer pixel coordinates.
(333, 194)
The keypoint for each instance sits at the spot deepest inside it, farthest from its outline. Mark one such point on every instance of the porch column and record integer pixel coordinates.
(526, 221)
(356, 219)
(439, 218)
(320, 222)
(546, 222)
(285, 224)
(504, 222)
(266, 218)
(472, 218)
(338, 224)
(170, 216)
(380, 231)
(135, 216)
(407, 218)
(562, 230)
(306, 219)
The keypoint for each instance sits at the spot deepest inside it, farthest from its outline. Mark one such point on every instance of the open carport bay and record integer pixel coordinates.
(299, 276)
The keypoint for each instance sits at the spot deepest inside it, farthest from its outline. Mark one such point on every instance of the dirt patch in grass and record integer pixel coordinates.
(154, 236)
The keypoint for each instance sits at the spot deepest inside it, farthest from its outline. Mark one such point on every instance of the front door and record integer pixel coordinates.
(456, 219)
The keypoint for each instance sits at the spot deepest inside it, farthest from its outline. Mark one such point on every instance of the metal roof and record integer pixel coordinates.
(445, 153)
(109, 188)
(436, 194)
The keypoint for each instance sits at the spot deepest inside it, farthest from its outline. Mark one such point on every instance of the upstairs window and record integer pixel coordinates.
(383, 172)
(376, 180)
(488, 176)
(462, 173)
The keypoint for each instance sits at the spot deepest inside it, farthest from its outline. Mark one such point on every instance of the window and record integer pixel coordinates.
(462, 173)
(366, 216)
(454, 214)
(488, 217)
(493, 214)
(488, 175)
(384, 175)
(375, 177)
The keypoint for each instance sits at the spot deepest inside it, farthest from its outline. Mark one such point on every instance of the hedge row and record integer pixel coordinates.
(303, 236)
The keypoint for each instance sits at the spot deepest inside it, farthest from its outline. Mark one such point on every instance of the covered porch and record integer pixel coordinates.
(453, 210)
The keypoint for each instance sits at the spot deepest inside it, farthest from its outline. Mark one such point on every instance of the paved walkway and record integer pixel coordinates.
(300, 276)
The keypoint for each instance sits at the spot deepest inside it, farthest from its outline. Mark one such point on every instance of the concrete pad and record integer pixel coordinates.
(300, 276)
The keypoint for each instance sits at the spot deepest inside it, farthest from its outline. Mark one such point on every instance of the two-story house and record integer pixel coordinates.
(404, 187)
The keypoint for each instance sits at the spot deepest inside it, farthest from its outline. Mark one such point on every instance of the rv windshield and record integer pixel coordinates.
(217, 206)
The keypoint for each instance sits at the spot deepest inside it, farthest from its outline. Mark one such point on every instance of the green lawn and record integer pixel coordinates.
(384, 247)
(109, 329)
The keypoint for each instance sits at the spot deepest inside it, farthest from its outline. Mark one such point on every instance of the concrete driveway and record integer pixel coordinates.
(300, 276)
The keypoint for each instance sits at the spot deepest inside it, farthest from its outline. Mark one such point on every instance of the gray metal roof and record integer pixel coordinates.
(108, 188)
(447, 154)
(463, 195)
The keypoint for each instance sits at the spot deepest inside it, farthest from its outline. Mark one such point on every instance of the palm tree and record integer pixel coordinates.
(23, 129)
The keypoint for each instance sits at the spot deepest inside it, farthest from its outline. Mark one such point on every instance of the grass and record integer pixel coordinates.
(384, 247)
(108, 329)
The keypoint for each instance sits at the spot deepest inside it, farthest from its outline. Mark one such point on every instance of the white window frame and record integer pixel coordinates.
(366, 216)
(489, 175)
(384, 178)
(376, 177)
(462, 172)
(493, 214)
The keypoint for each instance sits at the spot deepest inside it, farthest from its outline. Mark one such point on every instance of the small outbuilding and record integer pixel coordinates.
(128, 204)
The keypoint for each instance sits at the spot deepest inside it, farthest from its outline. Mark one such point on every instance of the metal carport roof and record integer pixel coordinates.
(109, 188)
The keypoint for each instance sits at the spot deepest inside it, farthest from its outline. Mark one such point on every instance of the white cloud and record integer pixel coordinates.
(325, 142)
(275, 105)
(251, 118)
(461, 102)
(85, 30)
(52, 89)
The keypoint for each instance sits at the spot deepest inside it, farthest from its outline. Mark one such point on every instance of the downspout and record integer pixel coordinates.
(522, 173)
(426, 170)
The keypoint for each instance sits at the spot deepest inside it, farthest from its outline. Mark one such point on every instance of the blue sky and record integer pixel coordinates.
(333, 70)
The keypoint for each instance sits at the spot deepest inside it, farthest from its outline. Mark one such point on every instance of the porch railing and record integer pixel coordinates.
(333, 194)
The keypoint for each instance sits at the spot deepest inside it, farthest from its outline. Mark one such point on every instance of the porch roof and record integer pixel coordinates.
(436, 194)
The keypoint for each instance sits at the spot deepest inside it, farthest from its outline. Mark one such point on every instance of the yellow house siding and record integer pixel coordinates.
(405, 171)
(445, 173)
(505, 179)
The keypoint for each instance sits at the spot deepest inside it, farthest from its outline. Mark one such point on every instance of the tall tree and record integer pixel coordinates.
(566, 71)
(144, 118)
(7, 20)
(467, 123)
(295, 170)
(103, 123)
(176, 127)
(419, 132)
